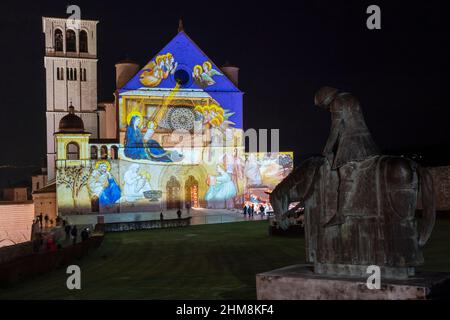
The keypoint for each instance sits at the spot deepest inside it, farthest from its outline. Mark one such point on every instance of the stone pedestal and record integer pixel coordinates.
(299, 282)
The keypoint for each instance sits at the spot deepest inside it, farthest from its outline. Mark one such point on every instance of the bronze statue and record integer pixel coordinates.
(360, 206)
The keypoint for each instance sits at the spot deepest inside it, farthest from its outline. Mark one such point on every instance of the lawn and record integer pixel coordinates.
(198, 262)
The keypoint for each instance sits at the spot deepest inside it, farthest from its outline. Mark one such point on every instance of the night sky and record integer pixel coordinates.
(285, 51)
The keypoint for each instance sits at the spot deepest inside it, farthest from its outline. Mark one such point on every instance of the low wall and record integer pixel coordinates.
(10, 253)
(39, 263)
(143, 225)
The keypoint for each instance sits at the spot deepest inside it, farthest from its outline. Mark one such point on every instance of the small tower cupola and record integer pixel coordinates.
(71, 123)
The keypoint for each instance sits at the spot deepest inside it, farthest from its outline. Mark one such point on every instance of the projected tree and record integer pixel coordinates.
(74, 179)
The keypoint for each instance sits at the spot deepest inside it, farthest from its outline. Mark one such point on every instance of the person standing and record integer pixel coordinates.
(74, 234)
(67, 230)
(179, 213)
(40, 219)
(46, 218)
(245, 210)
(161, 216)
(188, 207)
(84, 235)
(262, 210)
(252, 210)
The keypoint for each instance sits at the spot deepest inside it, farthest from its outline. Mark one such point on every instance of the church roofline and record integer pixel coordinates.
(65, 19)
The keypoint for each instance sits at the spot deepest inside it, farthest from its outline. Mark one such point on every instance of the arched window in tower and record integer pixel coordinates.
(58, 73)
(71, 74)
(94, 152)
(58, 40)
(71, 41)
(83, 41)
(114, 153)
(72, 151)
(104, 152)
(74, 74)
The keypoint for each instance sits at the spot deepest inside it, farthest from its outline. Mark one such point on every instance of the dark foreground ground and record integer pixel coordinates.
(198, 262)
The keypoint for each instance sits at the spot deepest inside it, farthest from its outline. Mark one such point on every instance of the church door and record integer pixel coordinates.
(173, 193)
(191, 192)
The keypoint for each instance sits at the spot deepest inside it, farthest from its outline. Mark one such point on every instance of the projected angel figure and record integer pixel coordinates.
(221, 190)
(142, 147)
(203, 75)
(136, 182)
(157, 70)
(102, 186)
(215, 116)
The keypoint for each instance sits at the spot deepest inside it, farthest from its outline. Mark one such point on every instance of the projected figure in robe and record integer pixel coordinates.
(142, 147)
(102, 186)
(136, 182)
(221, 190)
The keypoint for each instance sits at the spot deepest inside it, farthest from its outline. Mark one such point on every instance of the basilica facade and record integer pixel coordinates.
(172, 138)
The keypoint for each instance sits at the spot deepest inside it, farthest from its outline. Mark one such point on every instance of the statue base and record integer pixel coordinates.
(360, 271)
(299, 282)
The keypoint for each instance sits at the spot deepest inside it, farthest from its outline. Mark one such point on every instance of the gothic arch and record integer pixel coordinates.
(173, 194)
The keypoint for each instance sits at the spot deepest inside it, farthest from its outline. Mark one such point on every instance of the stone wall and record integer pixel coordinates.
(15, 222)
(441, 179)
(10, 253)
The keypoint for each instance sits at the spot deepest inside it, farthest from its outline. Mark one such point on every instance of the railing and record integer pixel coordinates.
(143, 225)
(224, 218)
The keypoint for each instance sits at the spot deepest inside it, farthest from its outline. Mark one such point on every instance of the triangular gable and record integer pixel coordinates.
(188, 56)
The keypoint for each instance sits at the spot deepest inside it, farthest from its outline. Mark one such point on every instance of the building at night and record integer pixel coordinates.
(172, 138)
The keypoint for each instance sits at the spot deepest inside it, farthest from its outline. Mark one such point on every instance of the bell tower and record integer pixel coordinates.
(71, 77)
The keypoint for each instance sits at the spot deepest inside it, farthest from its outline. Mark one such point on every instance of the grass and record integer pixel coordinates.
(197, 262)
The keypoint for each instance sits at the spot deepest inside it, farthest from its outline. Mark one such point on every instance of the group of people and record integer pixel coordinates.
(72, 232)
(251, 210)
(45, 221)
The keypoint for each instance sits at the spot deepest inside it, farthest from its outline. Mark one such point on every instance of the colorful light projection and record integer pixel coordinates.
(263, 171)
(178, 97)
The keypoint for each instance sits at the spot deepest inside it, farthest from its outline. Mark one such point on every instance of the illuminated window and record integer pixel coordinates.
(104, 152)
(73, 151)
(94, 152)
(71, 41)
(83, 41)
(58, 40)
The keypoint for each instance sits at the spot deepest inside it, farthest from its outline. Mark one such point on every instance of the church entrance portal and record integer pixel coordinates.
(173, 193)
(191, 192)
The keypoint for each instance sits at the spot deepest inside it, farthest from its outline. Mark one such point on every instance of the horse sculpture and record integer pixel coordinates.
(359, 205)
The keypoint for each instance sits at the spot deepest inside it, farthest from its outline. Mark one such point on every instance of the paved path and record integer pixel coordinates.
(199, 216)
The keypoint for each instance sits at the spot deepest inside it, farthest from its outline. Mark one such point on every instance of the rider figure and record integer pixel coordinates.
(349, 140)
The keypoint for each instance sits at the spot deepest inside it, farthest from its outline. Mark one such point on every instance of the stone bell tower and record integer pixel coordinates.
(71, 76)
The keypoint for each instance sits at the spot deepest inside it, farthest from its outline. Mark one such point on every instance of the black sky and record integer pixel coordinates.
(286, 51)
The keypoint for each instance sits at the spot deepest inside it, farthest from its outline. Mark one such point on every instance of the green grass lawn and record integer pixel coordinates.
(197, 262)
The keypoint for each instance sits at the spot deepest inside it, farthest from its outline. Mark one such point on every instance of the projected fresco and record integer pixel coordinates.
(180, 144)
(263, 171)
